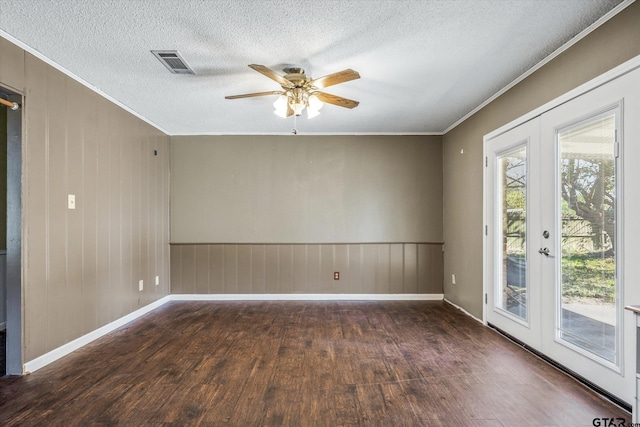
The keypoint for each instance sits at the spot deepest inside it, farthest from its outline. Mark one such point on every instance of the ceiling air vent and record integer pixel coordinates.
(173, 61)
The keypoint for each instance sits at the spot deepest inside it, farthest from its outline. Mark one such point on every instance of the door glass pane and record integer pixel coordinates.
(512, 170)
(587, 203)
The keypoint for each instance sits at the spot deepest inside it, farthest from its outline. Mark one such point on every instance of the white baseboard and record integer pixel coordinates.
(463, 310)
(65, 349)
(306, 297)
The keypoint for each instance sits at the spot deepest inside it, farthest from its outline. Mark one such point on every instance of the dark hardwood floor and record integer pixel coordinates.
(301, 364)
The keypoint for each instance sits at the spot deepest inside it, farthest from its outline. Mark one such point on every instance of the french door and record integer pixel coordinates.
(554, 237)
(512, 174)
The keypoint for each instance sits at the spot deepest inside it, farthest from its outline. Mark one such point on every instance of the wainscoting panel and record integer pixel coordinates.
(366, 268)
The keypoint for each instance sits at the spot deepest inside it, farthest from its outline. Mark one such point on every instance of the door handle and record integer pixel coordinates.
(544, 251)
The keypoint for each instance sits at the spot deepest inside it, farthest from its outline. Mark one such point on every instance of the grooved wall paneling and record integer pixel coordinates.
(369, 268)
(81, 267)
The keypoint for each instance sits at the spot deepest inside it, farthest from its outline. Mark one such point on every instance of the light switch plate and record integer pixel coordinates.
(141, 285)
(71, 201)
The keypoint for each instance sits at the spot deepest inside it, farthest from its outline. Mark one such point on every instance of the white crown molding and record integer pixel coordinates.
(71, 75)
(301, 133)
(613, 12)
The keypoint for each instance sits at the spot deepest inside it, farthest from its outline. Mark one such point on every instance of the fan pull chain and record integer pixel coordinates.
(295, 125)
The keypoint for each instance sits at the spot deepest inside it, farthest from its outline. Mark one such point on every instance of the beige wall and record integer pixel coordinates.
(309, 206)
(306, 189)
(81, 267)
(615, 42)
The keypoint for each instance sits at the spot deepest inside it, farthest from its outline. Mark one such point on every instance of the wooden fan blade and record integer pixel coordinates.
(272, 75)
(335, 78)
(251, 95)
(336, 100)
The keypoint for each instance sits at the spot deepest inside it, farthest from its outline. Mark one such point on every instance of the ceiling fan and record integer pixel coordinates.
(300, 91)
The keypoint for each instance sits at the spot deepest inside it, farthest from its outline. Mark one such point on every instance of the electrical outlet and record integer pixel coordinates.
(141, 285)
(453, 279)
(336, 275)
(157, 280)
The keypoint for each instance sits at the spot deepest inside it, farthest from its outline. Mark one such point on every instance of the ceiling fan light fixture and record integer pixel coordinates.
(281, 102)
(313, 106)
(297, 107)
(281, 106)
(298, 100)
(300, 91)
(315, 103)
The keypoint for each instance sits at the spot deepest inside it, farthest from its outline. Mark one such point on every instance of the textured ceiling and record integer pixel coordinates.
(424, 64)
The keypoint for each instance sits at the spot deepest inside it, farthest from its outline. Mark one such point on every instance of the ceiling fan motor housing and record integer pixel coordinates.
(296, 76)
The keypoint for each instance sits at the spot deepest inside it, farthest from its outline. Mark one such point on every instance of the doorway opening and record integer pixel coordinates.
(11, 362)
